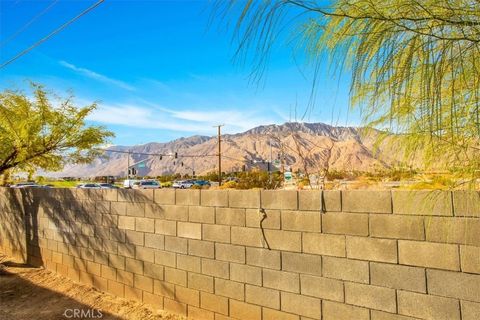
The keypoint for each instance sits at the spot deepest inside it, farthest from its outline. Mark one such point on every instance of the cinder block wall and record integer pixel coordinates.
(333, 255)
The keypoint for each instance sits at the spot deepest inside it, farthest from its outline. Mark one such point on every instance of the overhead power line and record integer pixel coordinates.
(51, 34)
(25, 26)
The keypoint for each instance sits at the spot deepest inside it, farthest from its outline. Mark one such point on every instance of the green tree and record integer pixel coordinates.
(415, 65)
(43, 131)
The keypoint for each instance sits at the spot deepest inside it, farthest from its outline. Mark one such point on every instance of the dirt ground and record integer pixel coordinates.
(35, 293)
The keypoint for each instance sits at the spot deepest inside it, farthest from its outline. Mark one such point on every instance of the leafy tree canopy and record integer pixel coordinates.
(415, 64)
(43, 131)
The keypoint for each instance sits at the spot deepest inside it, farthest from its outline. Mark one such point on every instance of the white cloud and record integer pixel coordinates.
(195, 122)
(94, 75)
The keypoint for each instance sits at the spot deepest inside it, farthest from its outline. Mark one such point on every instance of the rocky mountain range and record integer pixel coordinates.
(304, 146)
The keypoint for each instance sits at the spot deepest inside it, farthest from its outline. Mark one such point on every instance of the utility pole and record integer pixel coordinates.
(219, 154)
(128, 164)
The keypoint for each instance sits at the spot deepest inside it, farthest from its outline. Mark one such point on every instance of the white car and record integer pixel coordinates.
(183, 184)
(147, 184)
(129, 183)
(22, 185)
(89, 186)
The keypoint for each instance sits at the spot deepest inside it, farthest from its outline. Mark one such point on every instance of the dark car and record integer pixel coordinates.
(202, 183)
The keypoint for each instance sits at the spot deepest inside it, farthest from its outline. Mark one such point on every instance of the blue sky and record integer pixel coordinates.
(158, 69)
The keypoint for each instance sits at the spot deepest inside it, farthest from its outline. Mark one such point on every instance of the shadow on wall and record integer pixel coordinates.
(67, 227)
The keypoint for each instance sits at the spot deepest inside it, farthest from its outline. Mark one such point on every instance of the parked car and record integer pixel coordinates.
(202, 183)
(23, 185)
(128, 183)
(147, 184)
(107, 186)
(89, 186)
(183, 184)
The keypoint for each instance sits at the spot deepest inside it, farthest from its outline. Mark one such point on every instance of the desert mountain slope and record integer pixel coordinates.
(319, 144)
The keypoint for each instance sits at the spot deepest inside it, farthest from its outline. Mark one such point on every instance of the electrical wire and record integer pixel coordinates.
(25, 26)
(51, 34)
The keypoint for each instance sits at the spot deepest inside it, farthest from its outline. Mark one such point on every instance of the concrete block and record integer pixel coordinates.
(187, 296)
(284, 240)
(166, 227)
(323, 288)
(200, 282)
(345, 223)
(366, 201)
(244, 311)
(230, 289)
(201, 214)
(216, 233)
(227, 252)
(270, 314)
(397, 227)
(470, 310)
(263, 258)
(144, 254)
(363, 248)
(164, 289)
(176, 276)
(164, 196)
(230, 216)
(214, 303)
(427, 306)
(201, 248)
(454, 285)
(310, 200)
(324, 244)
(188, 263)
(430, 255)
(470, 259)
(281, 280)
(466, 203)
(346, 269)
(127, 223)
(246, 274)
(165, 258)
(153, 300)
(262, 296)
(118, 208)
(301, 221)
(372, 297)
(398, 277)
(175, 307)
(189, 230)
(153, 270)
(453, 230)
(197, 313)
(254, 217)
(302, 263)
(339, 311)
(134, 237)
(145, 225)
(135, 209)
(175, 244)
(187, 197)
(214, 198)
(176, 212)
(116, 261)
(301, 305)
(244, 198)
(380, 315)
(217, 269)
(279, 199)
(153, 210)
(143, 283)
(422, 202)
(134, 266)
(156, 241)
